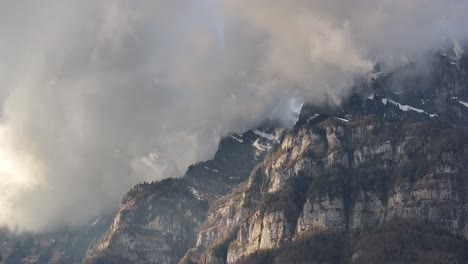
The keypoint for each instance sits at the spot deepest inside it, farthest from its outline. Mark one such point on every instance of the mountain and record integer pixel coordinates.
(387, 163)
(158, 222)
(379, 178)
(66, 246)
(341, 177)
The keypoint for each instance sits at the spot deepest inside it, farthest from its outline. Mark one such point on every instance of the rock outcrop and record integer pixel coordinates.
(158, 222)
(374, 161)
(67, 246)
(355, 175)
(380, 178)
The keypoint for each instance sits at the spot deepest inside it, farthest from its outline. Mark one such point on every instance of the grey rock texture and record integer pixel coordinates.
(158, 222)
(380, 178)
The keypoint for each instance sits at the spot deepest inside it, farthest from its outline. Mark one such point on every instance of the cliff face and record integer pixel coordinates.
(154, 224)
(380, 178)
(59, 247)
(158, 222)
(385, 156)
(338, 176)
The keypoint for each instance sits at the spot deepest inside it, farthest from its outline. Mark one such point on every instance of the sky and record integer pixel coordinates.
(99, 95)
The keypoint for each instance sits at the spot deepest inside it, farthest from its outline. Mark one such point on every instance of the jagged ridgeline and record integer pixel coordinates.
(382, 178)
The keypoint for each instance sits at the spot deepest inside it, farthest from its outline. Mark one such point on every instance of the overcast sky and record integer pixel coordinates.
(98, 95)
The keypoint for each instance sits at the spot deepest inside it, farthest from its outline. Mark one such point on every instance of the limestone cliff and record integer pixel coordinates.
(158, 222)
(344, 176)
(380, 177)
(384, 156)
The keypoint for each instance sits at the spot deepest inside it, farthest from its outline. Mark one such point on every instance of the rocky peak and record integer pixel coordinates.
(380, 178)
(383, 157)
(157, 222)
(341, 176)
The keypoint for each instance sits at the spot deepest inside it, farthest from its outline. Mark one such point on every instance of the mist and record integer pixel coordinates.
(98, 95)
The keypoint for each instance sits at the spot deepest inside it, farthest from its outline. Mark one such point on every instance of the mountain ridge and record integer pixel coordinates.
(388, 160)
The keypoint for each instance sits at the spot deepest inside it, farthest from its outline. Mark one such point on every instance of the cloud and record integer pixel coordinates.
(100, 95)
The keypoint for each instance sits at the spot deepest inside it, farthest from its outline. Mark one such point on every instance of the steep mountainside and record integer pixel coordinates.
(158, 222)
(381, 177)
(60, 247)
(391, 156)
(160, 216)
(339, 176)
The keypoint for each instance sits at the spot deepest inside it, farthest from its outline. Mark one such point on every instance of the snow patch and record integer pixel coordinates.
(399, 92)
(465, 104)
(342, 119)
(261, 147)
(406, 108)
(195, 193)
(237, 139)
(96, 221)
(313, 117)
(265, 135)
(376, 75)
(211, 169)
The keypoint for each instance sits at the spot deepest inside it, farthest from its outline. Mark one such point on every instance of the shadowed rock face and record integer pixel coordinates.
(154, 224)
(344, 176)
(388, 164)
(398, 241)
(158, 222)
(64, 246)
(380, 157)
